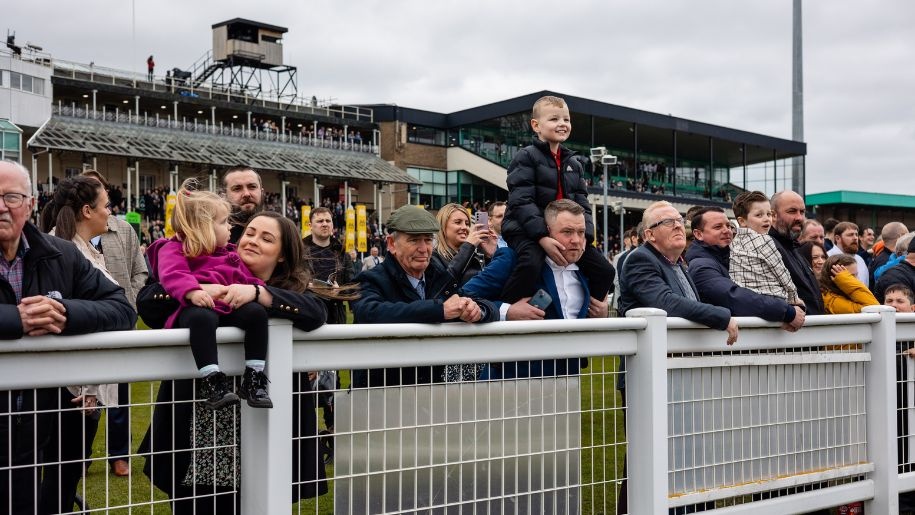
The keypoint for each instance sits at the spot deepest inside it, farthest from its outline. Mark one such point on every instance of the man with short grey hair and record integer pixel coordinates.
(410, 287)
(654, 275)
(47, 286)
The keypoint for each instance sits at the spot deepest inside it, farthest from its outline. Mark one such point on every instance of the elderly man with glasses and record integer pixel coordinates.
(654, 275)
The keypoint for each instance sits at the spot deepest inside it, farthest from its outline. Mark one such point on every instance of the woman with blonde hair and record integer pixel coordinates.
(463, 248)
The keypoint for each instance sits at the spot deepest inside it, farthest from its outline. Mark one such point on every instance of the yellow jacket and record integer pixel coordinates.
(856, 295)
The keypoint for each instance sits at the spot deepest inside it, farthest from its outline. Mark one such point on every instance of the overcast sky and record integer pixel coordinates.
(723, 62)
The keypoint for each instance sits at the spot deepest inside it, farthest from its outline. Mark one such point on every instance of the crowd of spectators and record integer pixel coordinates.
(777, 265)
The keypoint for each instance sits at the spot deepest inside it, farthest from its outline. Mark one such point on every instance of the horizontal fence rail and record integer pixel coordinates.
(509, 417)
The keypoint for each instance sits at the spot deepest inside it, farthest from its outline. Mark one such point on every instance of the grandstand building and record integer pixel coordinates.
(463, 156)
(232, 107)
(239, 104)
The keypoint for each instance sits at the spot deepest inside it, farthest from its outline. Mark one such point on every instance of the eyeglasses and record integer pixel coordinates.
(668, 222)
(13, 200)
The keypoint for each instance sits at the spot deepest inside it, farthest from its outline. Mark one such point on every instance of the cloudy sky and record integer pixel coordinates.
(723, 62)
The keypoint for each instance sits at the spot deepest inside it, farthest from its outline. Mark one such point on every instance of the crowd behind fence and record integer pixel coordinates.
(782, 422)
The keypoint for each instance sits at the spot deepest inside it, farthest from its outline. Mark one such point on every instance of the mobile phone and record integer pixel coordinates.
(541, 300)
(483, 218)
(318, 282)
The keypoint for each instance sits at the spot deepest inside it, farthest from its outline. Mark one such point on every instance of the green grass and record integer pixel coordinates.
(602, 431)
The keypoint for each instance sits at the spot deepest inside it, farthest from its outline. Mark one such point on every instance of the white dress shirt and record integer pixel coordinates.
(571, 291)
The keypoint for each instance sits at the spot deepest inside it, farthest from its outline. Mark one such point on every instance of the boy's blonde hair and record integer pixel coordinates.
(194, 216)
(547, 100)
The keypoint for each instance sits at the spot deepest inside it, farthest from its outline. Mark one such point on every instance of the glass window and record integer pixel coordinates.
(15, 80)
(38, 86)
(27, 83)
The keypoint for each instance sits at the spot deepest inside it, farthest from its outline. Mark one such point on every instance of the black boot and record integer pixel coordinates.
(215, 391)
(254, 389)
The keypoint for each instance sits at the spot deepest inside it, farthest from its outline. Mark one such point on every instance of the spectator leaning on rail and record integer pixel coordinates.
(566, 286)
(46, 287)
(788, 208)
(903, 273)
(654, 275)
(410, 287)
(845, 237)
(755, 262)
(708, 258)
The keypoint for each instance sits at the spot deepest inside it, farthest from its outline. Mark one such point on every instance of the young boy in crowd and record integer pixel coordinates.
(539, 174)
(900, 297)
(755, 262)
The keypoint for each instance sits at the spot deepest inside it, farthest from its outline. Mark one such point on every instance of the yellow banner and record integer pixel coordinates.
(362, 240)
(170, 202)
(350, 229)
(306, 221)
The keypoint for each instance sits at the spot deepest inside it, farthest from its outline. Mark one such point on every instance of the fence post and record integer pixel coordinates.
(880, 399)
(266, 435)
(646, 420)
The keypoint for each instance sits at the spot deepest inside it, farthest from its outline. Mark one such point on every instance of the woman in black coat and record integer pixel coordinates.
(271, 248)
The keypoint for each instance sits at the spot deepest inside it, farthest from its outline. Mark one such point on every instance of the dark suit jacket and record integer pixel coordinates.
(488, 284)
(648, 280)
(708, 268)
(386, 297)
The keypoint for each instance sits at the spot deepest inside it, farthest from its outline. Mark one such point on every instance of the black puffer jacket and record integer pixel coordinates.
(93, 302)
(532, 185)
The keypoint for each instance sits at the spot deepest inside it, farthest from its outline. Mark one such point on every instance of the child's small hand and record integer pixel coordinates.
(553, 249)
(200, 298)
(837, 269)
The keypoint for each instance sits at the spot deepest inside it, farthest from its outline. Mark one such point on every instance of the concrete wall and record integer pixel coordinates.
(22, 108)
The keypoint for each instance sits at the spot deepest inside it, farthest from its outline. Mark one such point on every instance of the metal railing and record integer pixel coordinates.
(237, 131)
(780, 422)
(301, 104)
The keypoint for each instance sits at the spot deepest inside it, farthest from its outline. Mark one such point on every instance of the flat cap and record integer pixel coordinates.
(412, 220)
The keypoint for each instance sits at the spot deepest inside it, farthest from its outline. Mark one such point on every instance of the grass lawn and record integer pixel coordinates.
(602, 440)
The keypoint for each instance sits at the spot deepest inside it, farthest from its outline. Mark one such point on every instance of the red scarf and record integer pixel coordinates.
(558, 159)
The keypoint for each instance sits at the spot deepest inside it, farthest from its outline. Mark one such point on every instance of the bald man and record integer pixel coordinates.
(789, 210)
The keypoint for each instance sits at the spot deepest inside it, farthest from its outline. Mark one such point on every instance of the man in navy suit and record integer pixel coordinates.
(564, 283)
(655, 274)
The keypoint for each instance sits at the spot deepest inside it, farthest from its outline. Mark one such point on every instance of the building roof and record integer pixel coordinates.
(6, 125)
(602, 110)
(862, 198)
(267, 26)
(164, 144)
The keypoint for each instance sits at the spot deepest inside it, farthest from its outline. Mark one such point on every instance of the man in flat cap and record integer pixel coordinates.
(408, 287)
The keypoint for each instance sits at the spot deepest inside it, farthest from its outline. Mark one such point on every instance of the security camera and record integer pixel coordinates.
(598, 151)
(608, 160)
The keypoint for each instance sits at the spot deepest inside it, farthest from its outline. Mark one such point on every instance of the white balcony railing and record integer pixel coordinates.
(781, 422)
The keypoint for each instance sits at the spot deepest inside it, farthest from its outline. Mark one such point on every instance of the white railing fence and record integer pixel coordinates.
(779, 423)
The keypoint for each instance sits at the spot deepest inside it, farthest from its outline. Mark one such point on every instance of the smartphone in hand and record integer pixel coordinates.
(483, 218)
(541, 300)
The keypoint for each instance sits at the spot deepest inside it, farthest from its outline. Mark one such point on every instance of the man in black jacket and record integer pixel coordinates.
(328, 261)
(902, 273)
(46, 287)
(409, 286)
(708, 257)
(789, 211)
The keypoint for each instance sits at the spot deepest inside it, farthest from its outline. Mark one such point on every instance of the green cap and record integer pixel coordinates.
(412, 220)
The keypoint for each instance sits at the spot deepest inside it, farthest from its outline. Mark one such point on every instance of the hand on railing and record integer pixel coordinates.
(732, 331)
